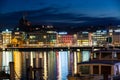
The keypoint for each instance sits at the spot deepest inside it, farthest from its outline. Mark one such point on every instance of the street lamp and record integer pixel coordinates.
(75, 39)
(45, 39)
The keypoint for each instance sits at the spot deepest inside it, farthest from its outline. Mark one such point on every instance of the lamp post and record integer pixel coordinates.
(45, 39)
(75, 39)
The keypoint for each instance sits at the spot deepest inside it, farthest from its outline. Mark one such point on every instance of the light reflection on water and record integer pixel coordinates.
(17, 63)
(45, 66)
(56, 64)
(6, 58)
(63, 65)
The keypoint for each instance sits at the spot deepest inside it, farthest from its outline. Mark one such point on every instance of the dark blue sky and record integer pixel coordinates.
(61, 12)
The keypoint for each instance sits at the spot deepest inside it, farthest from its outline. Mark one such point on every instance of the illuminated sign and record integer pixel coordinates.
(62, 33)
(17, 33)
(51, 32)
(118, 30)
(110, 30)
(84, 32)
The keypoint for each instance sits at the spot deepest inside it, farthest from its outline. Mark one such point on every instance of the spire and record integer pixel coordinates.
(23, 20)
(23, 17)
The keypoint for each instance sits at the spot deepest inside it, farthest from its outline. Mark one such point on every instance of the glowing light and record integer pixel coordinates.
(31, 59)
(78, 56)
(85, 55)
(7, 57)
(62, 33)
(6, 30)
(45, 66)
(75, 63)
(84, 32)
(59, 69)
(63, 63)
(118, 30)
(18, 63)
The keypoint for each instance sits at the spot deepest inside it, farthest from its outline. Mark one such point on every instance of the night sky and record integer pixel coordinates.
(61, 12)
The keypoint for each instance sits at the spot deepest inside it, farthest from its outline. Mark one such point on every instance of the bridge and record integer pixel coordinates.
(54, 48)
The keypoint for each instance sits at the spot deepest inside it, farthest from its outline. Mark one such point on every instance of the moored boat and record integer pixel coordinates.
(103, 64)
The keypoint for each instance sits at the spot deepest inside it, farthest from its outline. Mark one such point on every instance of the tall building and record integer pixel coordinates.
(24, 24)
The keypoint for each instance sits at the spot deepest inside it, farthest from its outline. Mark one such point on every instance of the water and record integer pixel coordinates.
(56, 64)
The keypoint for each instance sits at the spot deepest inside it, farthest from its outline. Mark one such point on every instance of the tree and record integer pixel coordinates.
(14, 41)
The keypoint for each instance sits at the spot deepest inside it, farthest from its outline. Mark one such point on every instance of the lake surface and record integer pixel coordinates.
(56, 65)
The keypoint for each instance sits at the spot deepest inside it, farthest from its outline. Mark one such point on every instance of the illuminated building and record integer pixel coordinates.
(51, 37)
(1, 40)
(34, 37)
(43, 38)
(99, 37)
(20, 36)
(83, 38)
(116, 37)
(7, 35)
(64, 39)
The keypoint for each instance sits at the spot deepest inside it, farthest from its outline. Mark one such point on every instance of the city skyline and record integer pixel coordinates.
(60, 12)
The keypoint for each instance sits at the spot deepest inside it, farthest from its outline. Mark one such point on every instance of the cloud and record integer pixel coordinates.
(55, 16)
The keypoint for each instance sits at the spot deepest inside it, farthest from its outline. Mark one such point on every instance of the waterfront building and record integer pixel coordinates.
(83, 38)
(7, 36)
(51, 38)
(19, 35)
(19, 38)
(43, 37)
(64, 39)
(116, 37)
(99, 37)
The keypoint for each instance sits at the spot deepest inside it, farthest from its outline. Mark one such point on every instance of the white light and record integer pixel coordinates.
(51, 32)
(84, 32)
(62, 33)
(117, 30)
(98, 31)
(75, 63)
(6, 30)
(85, 56)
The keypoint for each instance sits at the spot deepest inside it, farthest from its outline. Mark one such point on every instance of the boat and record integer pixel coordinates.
(104, 64)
